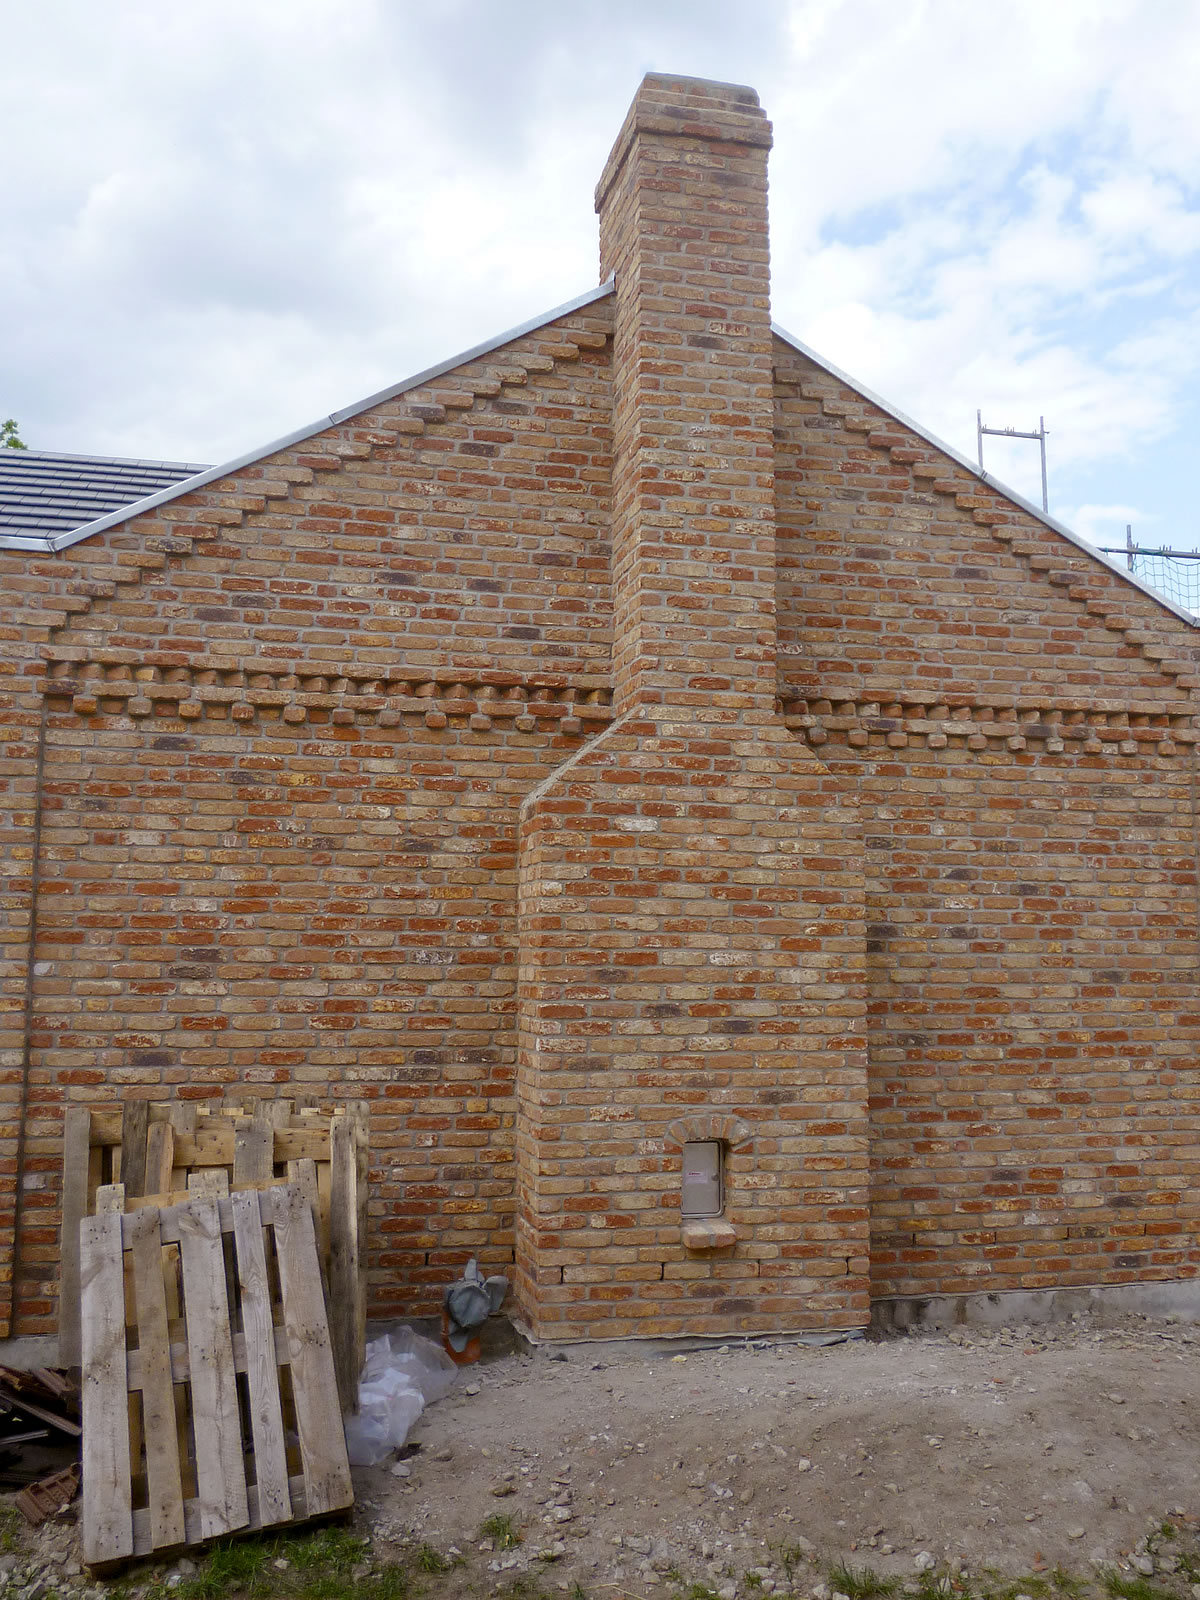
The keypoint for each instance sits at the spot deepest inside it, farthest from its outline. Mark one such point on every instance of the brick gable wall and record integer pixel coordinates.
(570, 767)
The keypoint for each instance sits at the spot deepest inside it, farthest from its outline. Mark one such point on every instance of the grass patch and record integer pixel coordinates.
(325, 1565)
(1123, 1588)
(1064, 1582)
(11, 1523)
(501, 1530)
(789, 1557)
(860, 1583)
(1035, 1585)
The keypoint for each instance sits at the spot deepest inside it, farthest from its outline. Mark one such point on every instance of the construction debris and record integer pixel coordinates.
(48, 1495)
(39, 1409)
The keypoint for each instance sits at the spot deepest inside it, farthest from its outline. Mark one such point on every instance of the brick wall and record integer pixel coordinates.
(867, 849)
(1019, 725)
(283, 755)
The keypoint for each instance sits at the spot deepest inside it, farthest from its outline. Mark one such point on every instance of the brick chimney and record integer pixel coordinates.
(691, 883)
(683, 226)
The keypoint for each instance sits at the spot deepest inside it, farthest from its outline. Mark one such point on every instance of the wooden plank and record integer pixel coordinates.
(277, 1112)
(135, 1123)
(220, 1469)
(254, 1151)
(304, 1175)
(208, 1184)
(30, 1408)
(262, 1372)
(110, 1199)
(181, 1114)
(343, 1258)
(160, 1156)
(360, 1110)
(314, 1382)
(106, 1127)
(191, 1513)
(214, 1147)
(107, 1498)
(76, 1153)
(180, 1370)
(322, 1209)
(165, 1484)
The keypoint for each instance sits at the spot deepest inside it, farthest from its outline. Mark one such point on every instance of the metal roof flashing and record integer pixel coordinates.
(986, 477)
(51, 544)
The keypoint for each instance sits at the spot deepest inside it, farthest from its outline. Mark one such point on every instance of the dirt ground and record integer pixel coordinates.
(1019, 1450)
(942, 1460)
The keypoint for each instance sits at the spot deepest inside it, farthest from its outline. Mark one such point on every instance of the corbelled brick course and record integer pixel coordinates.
(632, 736)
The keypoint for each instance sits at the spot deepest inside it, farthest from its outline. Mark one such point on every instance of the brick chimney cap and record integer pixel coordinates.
(701, 88)
(699, 109)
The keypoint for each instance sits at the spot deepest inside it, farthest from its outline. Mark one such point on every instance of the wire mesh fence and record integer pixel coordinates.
(1174, 573)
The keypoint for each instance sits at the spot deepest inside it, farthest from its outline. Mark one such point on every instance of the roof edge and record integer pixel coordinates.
(53, 543)
(976, 471)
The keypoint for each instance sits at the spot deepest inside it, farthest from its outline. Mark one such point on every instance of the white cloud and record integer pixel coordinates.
(225, 221)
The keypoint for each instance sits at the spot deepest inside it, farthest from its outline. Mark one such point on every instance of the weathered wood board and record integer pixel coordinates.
(210, 1402)
(161, 1154)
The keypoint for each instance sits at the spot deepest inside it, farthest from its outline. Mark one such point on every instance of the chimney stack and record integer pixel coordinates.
(683, 226)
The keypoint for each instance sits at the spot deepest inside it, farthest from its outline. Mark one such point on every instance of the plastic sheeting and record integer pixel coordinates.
(403, 1374)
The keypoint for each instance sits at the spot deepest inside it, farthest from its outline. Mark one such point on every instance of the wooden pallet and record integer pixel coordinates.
(209, 1399)
(161, 1154)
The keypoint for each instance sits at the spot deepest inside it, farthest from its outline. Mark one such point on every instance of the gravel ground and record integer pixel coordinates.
(942, 1461)
(1017, 1450)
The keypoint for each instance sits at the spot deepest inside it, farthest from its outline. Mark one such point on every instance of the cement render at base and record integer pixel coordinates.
(1177, 1298)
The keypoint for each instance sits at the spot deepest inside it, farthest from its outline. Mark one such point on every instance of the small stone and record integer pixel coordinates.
(501, 1489)
(924, 1562)
(804, 1464)
(444, 1454)
(1144, 1565)
(558, 1355)
(1076, 1533)
(472, 1388)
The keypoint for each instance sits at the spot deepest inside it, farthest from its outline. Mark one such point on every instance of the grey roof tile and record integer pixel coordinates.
(44, 492)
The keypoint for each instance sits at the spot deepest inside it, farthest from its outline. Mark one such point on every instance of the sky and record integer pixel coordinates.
(223, 221)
